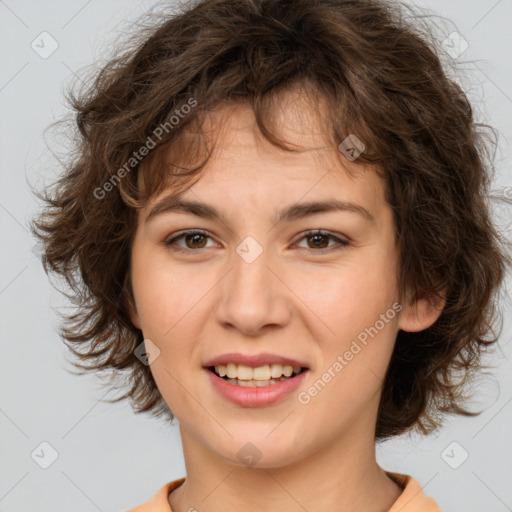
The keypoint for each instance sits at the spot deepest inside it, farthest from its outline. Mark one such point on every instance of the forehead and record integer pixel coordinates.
(245, 164)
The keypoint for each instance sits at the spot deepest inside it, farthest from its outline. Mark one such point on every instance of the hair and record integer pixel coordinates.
(381, 76)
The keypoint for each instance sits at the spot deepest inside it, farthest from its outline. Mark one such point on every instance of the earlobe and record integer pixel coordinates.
(132, 312)
(134, 316)
(421, 314)
(132, 309)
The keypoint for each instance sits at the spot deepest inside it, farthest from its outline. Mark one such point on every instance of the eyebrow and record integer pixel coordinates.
(175, 204)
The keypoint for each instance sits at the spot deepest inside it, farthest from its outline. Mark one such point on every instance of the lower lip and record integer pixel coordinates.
(255, 396)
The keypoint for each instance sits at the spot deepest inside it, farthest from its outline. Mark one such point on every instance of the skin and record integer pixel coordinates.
(294, 300)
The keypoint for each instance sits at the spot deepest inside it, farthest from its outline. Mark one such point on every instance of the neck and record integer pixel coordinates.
(342, 475)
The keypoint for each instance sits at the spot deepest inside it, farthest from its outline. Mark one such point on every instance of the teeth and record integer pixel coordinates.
(260, 373)
(256, 383)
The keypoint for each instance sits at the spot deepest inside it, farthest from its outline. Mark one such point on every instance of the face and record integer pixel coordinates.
(249, 284)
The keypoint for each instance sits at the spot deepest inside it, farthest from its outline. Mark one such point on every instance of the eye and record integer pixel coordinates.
(196, 239)
(320, 240)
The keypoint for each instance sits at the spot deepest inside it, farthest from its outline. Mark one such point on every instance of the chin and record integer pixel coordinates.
(259, 452)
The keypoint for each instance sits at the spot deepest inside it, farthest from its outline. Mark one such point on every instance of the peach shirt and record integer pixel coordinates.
(412, 499)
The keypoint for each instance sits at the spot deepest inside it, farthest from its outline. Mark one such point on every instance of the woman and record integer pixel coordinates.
(278, 221)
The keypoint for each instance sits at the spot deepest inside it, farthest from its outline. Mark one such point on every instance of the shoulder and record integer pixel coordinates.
(413, 498)
(159, 502)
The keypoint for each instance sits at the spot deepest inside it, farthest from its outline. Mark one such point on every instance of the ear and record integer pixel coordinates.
(130, 301)
(134, 316)
(421, 314)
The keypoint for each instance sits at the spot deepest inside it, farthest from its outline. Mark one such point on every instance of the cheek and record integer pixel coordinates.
(160, 293)
(173, 308)
(352, 371)
(348, 298)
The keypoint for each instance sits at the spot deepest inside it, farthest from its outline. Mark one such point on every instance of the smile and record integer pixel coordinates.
(255, 387)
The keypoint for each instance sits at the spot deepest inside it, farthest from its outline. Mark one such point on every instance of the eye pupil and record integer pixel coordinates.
(194, 237)
(317, 237)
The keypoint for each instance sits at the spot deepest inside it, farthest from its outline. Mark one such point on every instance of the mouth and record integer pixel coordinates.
(255, 386)
(260, 376)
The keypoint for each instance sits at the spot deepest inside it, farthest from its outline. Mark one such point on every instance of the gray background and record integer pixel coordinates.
(109, 459)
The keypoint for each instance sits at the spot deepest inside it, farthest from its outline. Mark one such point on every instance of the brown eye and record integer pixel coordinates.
(193, 240)
(320, 240)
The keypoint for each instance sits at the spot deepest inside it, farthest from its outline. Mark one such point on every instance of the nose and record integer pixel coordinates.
(253, 297)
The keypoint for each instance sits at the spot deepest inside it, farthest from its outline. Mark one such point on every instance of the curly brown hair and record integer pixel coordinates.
(382, 75)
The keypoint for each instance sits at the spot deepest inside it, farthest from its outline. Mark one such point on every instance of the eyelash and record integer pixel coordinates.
(341, 243)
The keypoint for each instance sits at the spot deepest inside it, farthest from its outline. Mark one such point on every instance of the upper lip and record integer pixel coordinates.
(254, 360)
